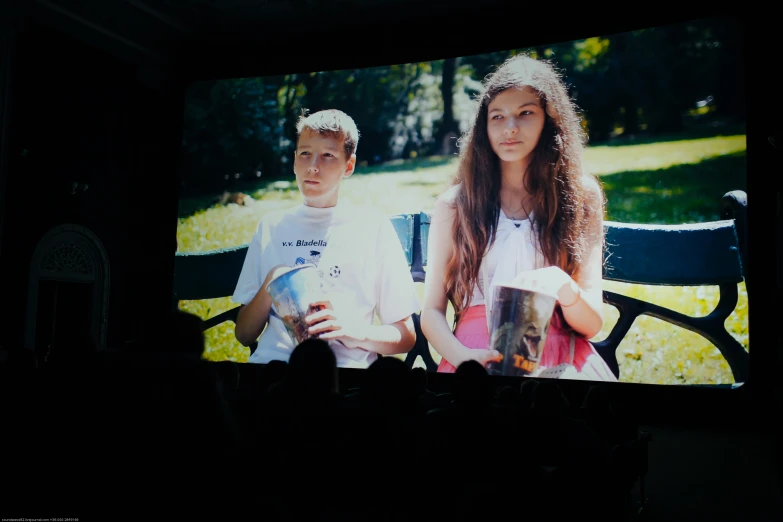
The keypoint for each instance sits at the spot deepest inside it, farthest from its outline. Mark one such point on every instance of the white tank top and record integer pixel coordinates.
(513, 251)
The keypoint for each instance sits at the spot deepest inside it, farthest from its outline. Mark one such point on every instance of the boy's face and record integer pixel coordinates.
(320, 164)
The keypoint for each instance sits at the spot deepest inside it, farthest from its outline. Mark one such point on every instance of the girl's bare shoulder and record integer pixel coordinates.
(449, 197)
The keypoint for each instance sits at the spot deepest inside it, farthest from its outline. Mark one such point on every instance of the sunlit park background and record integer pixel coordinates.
(663, 109)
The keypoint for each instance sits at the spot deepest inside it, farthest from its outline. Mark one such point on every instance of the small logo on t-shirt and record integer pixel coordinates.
(315, 255)
(334, 271)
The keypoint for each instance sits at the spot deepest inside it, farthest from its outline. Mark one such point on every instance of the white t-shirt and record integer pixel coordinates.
(359, 258)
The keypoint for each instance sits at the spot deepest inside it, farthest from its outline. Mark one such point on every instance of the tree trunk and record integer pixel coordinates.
(631, 116)
(449, 129)
(289, 129)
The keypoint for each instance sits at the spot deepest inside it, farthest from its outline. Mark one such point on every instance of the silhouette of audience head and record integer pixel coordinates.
(548, 398)
(618, 401)
(527, 391)
(597, 400)
(471, 385)
(173, 331)
(418, 378)
(505, 396)
(187, 333)
(312, 368)
(275, 373)
(387, 383)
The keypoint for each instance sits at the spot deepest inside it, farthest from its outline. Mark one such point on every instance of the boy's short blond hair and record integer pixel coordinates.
(334, 123)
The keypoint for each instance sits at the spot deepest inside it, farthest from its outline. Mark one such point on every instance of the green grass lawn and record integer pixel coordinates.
(677, 181)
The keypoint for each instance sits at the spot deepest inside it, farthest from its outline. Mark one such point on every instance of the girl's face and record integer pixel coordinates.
(515, 120)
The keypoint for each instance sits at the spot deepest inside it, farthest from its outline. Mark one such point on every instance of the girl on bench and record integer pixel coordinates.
(523, 210)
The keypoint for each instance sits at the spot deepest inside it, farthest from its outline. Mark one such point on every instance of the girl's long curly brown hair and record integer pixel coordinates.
(561, 197)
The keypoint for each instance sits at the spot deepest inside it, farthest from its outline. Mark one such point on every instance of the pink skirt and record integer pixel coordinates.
(472, 332)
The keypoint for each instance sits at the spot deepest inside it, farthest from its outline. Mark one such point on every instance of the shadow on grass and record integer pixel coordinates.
(407, 165)
(695, 133)
(679, 194)
(422, 184)
(193, 204)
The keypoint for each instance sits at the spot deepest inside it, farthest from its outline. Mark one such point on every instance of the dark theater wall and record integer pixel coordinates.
(80, 115)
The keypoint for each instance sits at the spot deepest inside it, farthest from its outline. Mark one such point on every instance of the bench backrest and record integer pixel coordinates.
(677, 255)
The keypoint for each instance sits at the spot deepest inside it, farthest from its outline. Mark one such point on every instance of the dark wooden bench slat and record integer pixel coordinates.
(207, 275)
(425, 218)
(228, 315)
(661, 254)
(674, 255)
(404, 226)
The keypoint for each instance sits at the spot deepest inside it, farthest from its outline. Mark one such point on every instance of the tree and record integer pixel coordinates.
(448, 129)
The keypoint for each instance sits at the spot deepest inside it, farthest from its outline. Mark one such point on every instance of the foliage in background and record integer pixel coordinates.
(240, 131)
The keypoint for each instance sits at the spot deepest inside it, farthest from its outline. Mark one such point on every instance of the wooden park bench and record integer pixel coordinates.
(703, 254)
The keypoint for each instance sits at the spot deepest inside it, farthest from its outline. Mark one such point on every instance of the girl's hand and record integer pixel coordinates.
(483, 357)
(551, 280)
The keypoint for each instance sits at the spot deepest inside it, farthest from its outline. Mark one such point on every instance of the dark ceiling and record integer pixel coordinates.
(163, 31)
(157, 31)
(225, 38)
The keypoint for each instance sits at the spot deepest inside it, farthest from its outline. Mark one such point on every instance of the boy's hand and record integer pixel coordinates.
(328, 324)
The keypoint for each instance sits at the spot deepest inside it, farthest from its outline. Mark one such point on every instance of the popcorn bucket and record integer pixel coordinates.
(519, 322)
(292, 293)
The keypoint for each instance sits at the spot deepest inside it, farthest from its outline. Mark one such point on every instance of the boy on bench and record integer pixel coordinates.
(357, 254)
